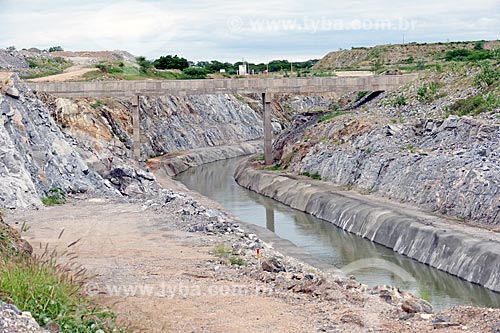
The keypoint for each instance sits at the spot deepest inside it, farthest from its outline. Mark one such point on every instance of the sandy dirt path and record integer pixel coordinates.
(128, 248)
(72, 73)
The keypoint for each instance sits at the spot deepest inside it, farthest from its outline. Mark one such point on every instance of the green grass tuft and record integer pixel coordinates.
(56, 196)
(52, 292)
(331, 115)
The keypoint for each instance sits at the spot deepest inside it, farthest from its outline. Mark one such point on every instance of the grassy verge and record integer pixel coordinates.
(51, 291)
(40, 67)
(126, 71)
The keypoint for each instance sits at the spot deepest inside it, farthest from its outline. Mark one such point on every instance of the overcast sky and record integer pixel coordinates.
(256, 30)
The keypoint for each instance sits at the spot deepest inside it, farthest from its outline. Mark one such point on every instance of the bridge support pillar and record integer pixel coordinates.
(268, 132)
(136, 122)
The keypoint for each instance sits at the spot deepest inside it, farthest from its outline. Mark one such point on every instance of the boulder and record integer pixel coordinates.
(12, 92)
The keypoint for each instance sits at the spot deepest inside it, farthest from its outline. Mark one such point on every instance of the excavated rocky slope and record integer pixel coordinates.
(85, 146)
(35, 156)
(411, 53)
(408, 148)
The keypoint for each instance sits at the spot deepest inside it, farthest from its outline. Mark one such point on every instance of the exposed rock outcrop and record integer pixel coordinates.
(36, 156)
(450, 166)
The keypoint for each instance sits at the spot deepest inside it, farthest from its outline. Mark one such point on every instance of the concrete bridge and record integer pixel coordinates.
(266, 87)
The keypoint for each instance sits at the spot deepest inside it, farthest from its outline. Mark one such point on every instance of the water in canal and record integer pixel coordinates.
(331, 244)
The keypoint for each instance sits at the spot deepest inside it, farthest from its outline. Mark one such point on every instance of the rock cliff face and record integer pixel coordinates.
(415, 152)
(450, 165)
(35, 156)
(86, 145)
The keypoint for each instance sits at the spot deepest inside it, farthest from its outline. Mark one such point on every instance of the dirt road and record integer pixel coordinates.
(128, 248)
(72, 73)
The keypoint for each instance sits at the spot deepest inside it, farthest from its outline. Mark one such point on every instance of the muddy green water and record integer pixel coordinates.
(372, 264)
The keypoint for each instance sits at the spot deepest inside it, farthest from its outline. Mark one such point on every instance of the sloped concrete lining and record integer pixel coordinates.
(173, 164)
(470, 253)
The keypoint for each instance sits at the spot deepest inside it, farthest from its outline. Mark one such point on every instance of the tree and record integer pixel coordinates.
(144, 63)
(169, 62)
(56, 49)
(279, 65)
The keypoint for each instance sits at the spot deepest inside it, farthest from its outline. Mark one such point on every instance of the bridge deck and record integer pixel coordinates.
(223, 86)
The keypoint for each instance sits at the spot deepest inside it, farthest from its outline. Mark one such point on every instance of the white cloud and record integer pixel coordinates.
(200, 30)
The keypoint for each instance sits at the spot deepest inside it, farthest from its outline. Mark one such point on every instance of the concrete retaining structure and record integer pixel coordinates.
(470, 253)
(175, 163)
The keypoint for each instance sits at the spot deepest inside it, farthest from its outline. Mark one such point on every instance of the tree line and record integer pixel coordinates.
(202, 68)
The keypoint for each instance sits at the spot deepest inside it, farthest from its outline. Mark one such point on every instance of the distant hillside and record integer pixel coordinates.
(403, 56)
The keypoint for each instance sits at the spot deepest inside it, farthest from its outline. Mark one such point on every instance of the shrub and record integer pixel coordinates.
(238, 261)
(488, 74)
(467, 55)
(314, 176)
(479, 45)
(109, 68)
(221, 250)
(399, 101)
(427, 92)
(361, 95)
(475, 105)
(195, 73)
(97, 104)
(144, 63)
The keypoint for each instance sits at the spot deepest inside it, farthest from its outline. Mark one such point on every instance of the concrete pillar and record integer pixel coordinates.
(268, 132)
(136, 122)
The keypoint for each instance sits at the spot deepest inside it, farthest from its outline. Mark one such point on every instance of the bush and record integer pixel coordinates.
(361, 95)
(314, 176)
(428, 92)
(479, 45)
(195, 73)
(468, 55)
(109, 68)
(488, 74)
(399, 101)
(475, 105)
(235, 260)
